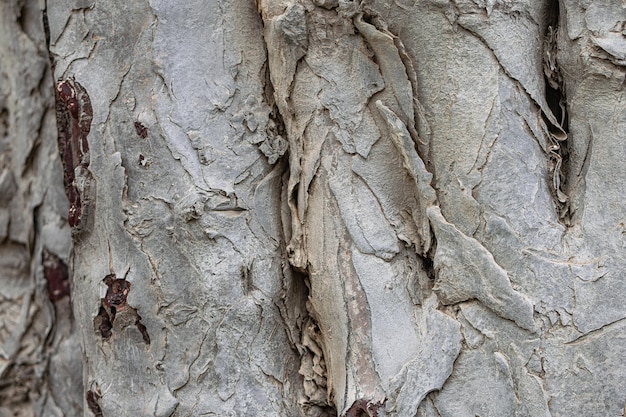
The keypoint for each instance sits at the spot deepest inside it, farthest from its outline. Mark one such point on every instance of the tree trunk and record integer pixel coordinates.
(314, 208)
(179, 282)
(40, 359)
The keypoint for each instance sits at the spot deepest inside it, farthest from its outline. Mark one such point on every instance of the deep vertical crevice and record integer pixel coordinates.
(46, 31)
(555, 97)
(304, 334)
(275, 145)
(294, 305)
(312, 362)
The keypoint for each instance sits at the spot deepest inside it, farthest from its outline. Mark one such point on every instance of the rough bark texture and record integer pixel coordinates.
(454, 190)
(40, 357)
(313, 207)
(180, 287)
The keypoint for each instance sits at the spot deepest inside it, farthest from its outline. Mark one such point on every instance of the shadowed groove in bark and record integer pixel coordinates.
(92, 398)
(307, 341)
(313, 367)
(46, 31)
(555, 97)
(275, 147)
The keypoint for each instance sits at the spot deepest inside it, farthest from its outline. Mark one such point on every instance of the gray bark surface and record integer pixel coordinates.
(435, 173)
(313, 208)
(188, 211)
(40, 356)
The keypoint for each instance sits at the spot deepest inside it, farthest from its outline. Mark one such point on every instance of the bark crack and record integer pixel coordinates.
(558, 150)
(596, 332)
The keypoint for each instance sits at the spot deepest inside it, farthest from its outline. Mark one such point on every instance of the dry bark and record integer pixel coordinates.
(40, 356)
(313, 208)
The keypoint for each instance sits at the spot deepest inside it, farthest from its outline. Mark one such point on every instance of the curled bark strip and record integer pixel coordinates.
(391, 67)
(416, 169)
(557, 149)
(466, 270)
(74, 115)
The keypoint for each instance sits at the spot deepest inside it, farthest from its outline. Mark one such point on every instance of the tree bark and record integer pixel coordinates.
(180, 289)
(315, 208)
(40, 357)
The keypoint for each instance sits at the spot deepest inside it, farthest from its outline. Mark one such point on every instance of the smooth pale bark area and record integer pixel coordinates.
(318, 207)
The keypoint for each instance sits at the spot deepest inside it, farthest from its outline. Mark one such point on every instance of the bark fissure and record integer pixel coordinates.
(555, 97)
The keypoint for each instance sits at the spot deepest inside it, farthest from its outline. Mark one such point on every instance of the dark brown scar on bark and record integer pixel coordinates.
(74, 115)
(56, 273)
(141, 130)
(92, 402)
(113, 301)
(363, 408)
(143, 330)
